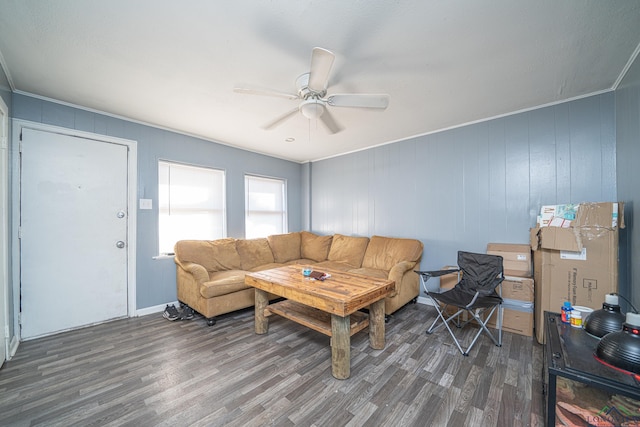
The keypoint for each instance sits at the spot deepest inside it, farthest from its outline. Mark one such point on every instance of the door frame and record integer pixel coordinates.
(132, 186)
(4, 231)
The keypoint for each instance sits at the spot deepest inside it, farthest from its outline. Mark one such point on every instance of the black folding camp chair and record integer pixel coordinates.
(476, 293)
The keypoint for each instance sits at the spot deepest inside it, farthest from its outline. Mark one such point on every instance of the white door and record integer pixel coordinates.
(73, 228)
(4, 231)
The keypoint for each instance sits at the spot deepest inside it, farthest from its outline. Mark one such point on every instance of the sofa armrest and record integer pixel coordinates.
(199, 273)
(398, 271)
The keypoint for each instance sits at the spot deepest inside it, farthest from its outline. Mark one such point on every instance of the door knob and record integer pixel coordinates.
(120, 244)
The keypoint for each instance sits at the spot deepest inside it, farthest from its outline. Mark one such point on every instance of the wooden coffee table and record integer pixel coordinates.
(330, 307)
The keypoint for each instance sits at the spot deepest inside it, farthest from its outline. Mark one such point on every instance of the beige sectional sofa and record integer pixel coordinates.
(210, 273)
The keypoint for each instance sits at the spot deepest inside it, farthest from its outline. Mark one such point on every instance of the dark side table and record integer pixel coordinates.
(584, 388)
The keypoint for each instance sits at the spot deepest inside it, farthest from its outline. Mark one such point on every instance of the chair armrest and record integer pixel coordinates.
(437, 273)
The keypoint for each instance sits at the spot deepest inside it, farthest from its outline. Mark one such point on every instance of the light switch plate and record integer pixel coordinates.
(146, 204)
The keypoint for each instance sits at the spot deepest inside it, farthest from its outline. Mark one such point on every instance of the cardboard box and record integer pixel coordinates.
(518, 295)
(516, 258)
(515, 319)
(578, 264)
(518, 288)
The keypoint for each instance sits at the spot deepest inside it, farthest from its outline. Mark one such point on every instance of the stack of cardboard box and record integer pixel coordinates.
(575, 256)
(517, 288)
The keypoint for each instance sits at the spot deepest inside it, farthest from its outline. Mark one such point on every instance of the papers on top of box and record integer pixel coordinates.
(557, 215)
(605, 215)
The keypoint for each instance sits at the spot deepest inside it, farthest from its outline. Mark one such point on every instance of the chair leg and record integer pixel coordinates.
(483, 326)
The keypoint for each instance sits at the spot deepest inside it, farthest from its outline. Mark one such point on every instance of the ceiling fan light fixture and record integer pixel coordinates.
(312, 109)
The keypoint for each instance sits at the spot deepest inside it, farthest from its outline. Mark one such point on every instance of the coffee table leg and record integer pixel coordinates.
(262, 322)
(376, 325)
(340, 347)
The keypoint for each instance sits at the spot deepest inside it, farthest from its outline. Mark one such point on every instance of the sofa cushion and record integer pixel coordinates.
(285, 247)
(223, 282)
(254, 252)
(214, 255)
(333, 265)
(266, 266)
(314, 247)
(385, 252)
(348, 249)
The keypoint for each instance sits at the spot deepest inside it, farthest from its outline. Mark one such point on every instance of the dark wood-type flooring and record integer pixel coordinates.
(148, 371)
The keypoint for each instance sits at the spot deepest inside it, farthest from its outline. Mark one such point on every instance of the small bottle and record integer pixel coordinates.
(576, 319)
(565, 312)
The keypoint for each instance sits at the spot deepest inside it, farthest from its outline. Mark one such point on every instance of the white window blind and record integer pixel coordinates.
(265, 206)
(191, 203)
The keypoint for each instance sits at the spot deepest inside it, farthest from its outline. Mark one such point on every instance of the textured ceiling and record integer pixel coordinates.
(443, 63)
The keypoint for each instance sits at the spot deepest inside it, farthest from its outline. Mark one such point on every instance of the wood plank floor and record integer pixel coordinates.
(148, 371)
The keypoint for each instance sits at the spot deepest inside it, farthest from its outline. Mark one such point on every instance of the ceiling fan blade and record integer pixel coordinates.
(362, 100)
(264, 92)
(330, 122)
(321, 63)
(278, 121)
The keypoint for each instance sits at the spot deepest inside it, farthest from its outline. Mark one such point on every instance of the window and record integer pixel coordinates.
(191, 202)
(265, 206)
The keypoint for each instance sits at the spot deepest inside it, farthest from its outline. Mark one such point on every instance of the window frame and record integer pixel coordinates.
(284, 212)
(223, 200)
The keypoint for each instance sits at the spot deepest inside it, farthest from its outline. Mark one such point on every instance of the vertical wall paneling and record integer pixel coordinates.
(627, 110)
(542, 146)
(608, 139)
(497, 176)
(562, 156)
(466, 187)
(517, 174)
(586, 149)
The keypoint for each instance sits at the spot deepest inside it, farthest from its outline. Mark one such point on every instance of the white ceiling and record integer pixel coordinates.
(174, 64)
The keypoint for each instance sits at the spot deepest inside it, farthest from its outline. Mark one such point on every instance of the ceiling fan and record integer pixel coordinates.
(312, 92)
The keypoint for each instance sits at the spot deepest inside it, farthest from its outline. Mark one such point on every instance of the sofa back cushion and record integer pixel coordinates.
(254, 252)
(348, 249)
(285, 247)
(385, 252)
(314, 247)
(214, 255)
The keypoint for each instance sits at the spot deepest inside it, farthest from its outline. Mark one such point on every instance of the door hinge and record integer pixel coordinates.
(5, 142)
(20, 232)
(6, 331)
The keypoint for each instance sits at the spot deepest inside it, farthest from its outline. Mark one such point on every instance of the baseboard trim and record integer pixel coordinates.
(13, 347)
(155, 309)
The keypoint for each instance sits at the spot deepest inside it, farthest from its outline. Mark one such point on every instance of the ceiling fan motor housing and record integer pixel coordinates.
(304, 92)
